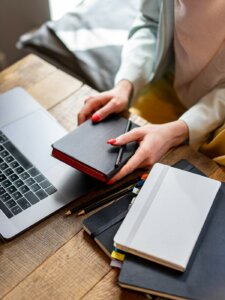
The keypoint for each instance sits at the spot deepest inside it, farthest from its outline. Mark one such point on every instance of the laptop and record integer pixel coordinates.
(33, 184)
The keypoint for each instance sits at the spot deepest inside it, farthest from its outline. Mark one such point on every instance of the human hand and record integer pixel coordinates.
(154, 141)
(113, 101)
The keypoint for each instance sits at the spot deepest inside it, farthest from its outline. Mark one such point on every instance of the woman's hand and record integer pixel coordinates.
(113, 101)
(154, 141)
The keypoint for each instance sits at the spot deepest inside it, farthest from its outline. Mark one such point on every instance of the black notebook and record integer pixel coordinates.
(86, 147)
(103, 225)
(205, 275)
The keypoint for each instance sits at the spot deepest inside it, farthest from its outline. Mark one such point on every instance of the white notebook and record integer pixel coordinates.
(167, 216)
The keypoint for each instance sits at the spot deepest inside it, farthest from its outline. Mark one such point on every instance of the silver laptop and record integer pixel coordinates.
(33, 184)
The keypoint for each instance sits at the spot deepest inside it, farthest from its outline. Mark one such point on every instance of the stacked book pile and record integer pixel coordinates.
(167, 234)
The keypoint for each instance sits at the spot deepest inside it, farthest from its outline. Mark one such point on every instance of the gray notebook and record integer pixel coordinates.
(166, 219)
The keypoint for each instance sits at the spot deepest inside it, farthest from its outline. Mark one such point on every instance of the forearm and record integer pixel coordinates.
(138, 53)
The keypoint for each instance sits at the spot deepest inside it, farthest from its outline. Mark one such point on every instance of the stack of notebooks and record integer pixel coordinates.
(172, 236)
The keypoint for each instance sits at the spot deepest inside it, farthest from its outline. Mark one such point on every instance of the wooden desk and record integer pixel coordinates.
(55, 259)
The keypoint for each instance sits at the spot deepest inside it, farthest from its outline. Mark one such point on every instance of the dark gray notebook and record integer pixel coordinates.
(86, 147)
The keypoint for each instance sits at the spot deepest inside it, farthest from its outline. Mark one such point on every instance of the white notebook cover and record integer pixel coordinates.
(167, 216)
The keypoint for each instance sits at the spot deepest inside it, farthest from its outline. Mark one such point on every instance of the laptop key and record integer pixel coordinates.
(9, 159)
(19, 170)
(1, 160)
(18, 155)
(24, 189)
(2, 190)
(11, 189)
(3, 166)
(41, 194)
(23, 203)
(8, 172)
(14, 164)
(10, 203)
(13, 177)
(31, 197)
(24, 175)
(1, 148)
(16, 210)
(33, 172)
(35, 187)
(5, 210)
(51, 190)
(2, 177)
(29, 181)
(18, 183)
(16, 195)
(6, 183)
(45, 184)
(39, 178)
(5, 197)
(4, 153)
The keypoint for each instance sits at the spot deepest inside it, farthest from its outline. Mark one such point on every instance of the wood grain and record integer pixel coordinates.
(54, 88)
(25, 73)
(108, 289)
(68, 274)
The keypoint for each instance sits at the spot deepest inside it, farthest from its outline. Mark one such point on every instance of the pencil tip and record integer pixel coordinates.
(68, 213)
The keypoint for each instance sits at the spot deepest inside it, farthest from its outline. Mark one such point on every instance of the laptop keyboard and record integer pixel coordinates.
(21, 184)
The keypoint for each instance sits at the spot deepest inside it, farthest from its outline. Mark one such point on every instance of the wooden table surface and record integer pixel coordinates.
(55, 259)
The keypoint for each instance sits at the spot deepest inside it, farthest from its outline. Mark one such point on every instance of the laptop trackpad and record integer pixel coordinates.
(33, 135)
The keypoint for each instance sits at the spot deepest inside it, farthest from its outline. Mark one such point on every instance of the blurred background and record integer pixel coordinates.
(19, 17)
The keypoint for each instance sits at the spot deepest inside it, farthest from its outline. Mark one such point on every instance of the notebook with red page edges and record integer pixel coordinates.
(86, 148)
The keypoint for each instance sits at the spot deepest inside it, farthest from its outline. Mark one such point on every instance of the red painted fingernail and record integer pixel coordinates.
(110, 181)
(95, 118)
(111, 141)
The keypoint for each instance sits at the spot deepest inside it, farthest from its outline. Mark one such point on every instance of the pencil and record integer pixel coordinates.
(105, 200)
(120, 154)
(101, 196)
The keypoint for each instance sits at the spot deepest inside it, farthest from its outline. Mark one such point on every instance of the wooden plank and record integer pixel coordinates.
(54, 88)
(70, 273)
(24, 254)
(108, 289)
(219, 174)
(25, 73)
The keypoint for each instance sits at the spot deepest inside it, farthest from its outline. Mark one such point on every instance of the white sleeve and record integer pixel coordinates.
(205, 116)
(139, 51)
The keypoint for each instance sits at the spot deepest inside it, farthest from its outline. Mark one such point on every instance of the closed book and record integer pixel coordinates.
(86, 147)
(165, 221)
(104, 224)
(204, 276)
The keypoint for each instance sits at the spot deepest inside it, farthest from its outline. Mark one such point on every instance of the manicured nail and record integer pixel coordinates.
(111, 141)
(110, 181)
(95, 118)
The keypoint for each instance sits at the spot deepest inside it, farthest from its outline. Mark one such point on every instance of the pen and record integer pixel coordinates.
(120, 154)
(105, 200)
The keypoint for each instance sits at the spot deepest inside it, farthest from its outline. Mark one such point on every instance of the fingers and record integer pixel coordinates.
(91, 105)
(131, 136)
(136, 161)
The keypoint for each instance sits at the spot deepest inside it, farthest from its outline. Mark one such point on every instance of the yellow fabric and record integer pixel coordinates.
(216, 147)
(158, 103)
